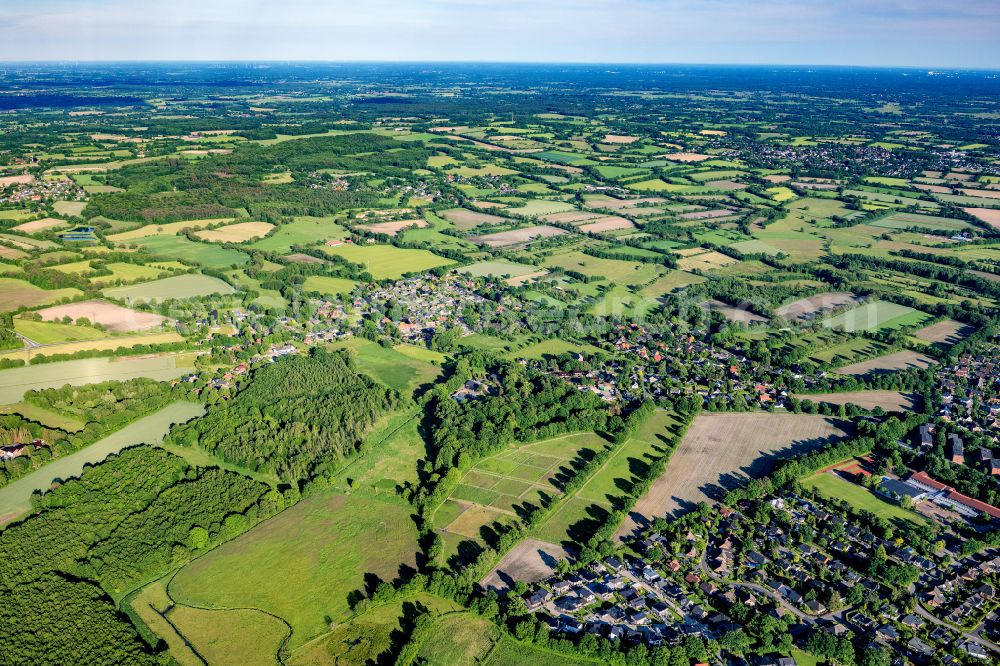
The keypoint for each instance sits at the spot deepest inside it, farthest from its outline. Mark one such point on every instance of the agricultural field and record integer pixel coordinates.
(301, 231)
(890, 401)
(887, 364)
(112, 317)
(876, 315)
(178, 286)
(16, 294)
(738, 447)
(180, 248)
(235, 233)
(330, 286)
(386, 262)
(517, 236)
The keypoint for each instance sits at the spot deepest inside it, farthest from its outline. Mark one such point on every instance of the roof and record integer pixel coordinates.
(900, 489)
(982, 507)
(921, 477)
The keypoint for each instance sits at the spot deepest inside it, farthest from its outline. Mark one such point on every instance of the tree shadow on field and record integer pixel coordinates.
(399, 637)
(583, 529)
(765, 464)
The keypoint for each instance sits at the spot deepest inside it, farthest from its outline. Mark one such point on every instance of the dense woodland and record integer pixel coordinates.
(300, 418)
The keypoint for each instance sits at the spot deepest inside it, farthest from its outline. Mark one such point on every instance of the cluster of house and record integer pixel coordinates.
(675, 590)
(430, 302)
(970, 392)
(658, 357)
(32, 190)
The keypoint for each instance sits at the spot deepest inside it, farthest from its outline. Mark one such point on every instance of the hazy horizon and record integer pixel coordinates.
(852, 33)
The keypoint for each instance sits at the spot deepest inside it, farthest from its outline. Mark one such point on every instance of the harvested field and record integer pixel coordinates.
(619, 138)
(881, 365)
(619, 204)
(299, 258)
(167, 229)
(890, 401)
(113, 317)
(236, 233)
(469, 219)
(11, 253)
(18, 293)
(393, 228)
(723, 451)
(806, 308)
(606, 224)
(43, 224)
(990, 216)
(687, 157)
(6, 181)
(733, 313)
(706, 214)
(518, 236)
(946, 332)
(530, 561)
(705, 261)
(572, 216)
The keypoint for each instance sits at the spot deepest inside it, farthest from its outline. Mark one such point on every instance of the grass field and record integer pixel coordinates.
(498, 269)
(301, 564)
(301, 231)
(552, 347)
(47, 418)
(617, 271)
(203, 254)
(230, 637)
(15, 497)
(459, 639)
(573, 520)
(127, 273)
(15, 381)
(877, 315)
(16, 293)
(367, 638)
(832, 486)
(47, 333)
(103, 344)
(393, 368)
(330, 286)
(723, 451)
(388, 262)
(178, 286)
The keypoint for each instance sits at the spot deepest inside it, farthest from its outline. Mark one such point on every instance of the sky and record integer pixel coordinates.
(918, 33)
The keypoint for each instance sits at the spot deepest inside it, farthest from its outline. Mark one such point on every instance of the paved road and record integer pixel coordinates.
(760, 589)
(968, 635)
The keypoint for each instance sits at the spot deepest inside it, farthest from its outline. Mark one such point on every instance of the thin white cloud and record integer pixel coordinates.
(918, 32)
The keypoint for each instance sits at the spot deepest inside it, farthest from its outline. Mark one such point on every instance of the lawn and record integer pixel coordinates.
(302, 564)
(388, 262)
(834, 487)
(178, 286)
(301, 231)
